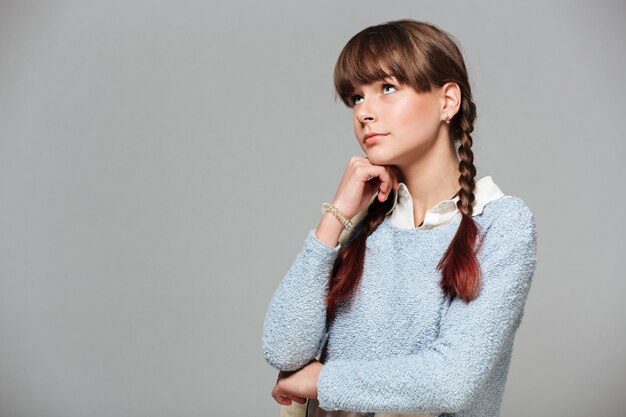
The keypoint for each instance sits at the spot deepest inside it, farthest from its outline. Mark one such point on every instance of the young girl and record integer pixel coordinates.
(417, 310)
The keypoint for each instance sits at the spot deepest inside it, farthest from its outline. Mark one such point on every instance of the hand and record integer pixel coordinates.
(355, 190)
(297, 385)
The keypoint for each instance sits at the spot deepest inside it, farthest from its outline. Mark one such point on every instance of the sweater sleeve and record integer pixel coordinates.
(295, 322)
(447, 375)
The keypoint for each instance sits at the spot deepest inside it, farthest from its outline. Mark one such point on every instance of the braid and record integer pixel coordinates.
(466, 164)
(463, 278)
(348, 267)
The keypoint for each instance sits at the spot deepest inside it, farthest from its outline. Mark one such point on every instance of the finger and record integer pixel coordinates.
(371, 172)
(382, 173)
(378, 177)
(386, 183)
(394, 172)
(393, 180)
(299, 400)
(281, 399)
(284, 401)
(285, 398)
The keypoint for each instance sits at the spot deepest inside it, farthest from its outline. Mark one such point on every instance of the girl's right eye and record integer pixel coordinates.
(356, 99)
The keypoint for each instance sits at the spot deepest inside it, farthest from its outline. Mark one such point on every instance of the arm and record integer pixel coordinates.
(447, 375)
(295, 322)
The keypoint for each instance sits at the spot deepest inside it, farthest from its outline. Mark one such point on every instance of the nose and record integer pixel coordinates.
(366, 112)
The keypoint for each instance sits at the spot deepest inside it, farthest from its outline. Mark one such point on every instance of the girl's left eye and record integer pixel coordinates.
(389, 86)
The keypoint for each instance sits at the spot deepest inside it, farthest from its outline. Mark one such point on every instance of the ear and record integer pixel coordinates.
(450, 100)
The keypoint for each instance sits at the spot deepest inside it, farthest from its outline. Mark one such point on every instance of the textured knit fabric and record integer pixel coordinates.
(400, 345)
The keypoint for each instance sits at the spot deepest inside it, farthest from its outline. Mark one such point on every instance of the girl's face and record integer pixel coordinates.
(409, 122)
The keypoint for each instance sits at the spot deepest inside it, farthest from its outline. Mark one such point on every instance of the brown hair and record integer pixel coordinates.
(420, 55)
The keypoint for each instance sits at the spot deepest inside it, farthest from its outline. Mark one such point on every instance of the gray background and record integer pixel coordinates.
(162, 162)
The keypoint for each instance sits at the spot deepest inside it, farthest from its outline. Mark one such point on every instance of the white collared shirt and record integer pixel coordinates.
(445, 211)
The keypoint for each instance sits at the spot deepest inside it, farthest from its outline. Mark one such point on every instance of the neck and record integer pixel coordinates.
(431, 178)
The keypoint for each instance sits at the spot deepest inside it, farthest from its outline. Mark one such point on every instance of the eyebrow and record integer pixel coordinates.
(391, 79)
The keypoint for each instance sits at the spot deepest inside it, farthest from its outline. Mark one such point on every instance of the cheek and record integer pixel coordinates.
(356, 125)
(418, 118)
(357, 132)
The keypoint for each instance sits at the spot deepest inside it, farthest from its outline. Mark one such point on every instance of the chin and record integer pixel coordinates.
(377, 159)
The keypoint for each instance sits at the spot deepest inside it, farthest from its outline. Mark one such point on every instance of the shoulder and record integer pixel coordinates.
(509, 220)
(509, 209)
(508, 250)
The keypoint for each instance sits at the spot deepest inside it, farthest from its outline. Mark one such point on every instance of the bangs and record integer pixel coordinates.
(373, 55)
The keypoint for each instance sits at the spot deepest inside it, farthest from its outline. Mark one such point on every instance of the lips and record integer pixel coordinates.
(374, 135)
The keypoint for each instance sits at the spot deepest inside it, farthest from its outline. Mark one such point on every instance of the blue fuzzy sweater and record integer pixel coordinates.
(400, 345)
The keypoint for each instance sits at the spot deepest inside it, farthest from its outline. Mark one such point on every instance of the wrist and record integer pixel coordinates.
(329, 230)
(336, 212)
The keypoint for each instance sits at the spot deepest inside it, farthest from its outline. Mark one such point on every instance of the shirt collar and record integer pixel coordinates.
(445, 211)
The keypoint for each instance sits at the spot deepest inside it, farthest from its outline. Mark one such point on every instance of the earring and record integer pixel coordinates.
(447, 120)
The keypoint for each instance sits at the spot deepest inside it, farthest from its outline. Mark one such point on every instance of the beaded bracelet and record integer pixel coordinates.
(338, 214)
